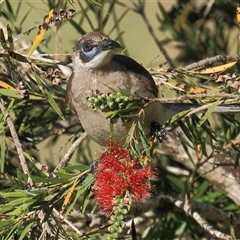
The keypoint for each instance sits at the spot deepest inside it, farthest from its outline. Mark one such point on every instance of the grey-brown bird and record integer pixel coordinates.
(97, 69)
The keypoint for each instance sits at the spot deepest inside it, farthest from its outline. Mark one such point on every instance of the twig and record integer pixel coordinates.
(67, 222)
(46, 225)
(224, 178)
(186, 206)
(209, 61)
(191, 207)
(196, 96)
(69, 153)
(175, 104)
(205, 14)
(17, 143)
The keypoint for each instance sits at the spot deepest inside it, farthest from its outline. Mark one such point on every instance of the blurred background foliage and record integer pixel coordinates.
(152, 32)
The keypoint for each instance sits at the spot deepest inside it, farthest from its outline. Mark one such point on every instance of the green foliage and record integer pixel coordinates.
(61, 204)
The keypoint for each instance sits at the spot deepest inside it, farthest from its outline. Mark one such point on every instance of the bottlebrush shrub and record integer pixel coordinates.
(117, 174)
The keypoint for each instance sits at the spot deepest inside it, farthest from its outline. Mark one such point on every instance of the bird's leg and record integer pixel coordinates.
(93, 166)
(157, 131)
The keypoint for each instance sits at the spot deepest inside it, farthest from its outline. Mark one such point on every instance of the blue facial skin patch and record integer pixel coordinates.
(89, 55)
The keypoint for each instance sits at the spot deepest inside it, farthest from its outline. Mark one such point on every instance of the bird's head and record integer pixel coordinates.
(94, 50)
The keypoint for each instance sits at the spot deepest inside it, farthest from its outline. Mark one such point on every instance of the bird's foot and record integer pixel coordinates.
(93, 166)
(158, 132)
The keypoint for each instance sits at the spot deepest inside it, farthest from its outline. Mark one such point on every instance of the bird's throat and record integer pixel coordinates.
(100, 61)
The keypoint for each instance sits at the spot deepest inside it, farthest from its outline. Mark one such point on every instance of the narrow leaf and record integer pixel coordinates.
(40, 33)
(6, 86)
(10, 38)
(3, 151)
(3, 40)
(53, 103)
(68, 196)
(9, 93)
(217, 69)
(25, 231)
(208, 113)
(18, 56)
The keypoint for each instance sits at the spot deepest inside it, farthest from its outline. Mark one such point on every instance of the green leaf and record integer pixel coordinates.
(181, 229)
(17, 194)
(49, 96)
(4, 209)
(177, 117)
(88, 19)
(9, 93)
(85, 186)
(187, 128)
(201, 190)
(88, 180)
(61, 174)
(2, 39)
(4, 223)
(232, 231)
(176, 184)
(108, 13)
(185, 146)
(10, 38)
(143, 139)
(21, 209)
(25, 231)
(3, 151)
(18, 56)
(21, 177)
(81, 167)
(52, 181)
(208, 113)
(11, 231)
(86, 201)
(19, 201)
(53, 103)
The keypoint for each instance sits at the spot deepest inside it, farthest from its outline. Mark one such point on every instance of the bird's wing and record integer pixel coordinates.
(138, 70)
(69, 93)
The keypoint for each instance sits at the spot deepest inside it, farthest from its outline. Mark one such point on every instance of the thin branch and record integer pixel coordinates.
(196, 96)
(209, 61)
(69, 153)
(67, 222)
(186, 207)
(17, 143)
(195, 209)
(224, 178)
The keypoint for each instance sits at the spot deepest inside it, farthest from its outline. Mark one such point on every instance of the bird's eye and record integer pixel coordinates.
(87, 47)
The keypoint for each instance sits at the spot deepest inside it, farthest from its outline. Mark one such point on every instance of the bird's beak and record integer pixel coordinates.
(108, 44)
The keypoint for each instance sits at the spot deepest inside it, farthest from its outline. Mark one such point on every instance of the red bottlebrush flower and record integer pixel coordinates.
(116, 174)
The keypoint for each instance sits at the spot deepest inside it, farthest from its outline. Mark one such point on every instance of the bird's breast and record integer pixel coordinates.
(87, 83)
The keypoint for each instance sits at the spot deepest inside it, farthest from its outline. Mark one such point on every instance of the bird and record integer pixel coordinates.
(97, 69)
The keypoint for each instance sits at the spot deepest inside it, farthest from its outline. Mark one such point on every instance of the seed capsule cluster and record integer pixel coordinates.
(57, 17)
(106, 102)
(22, 89)
(54, 74)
